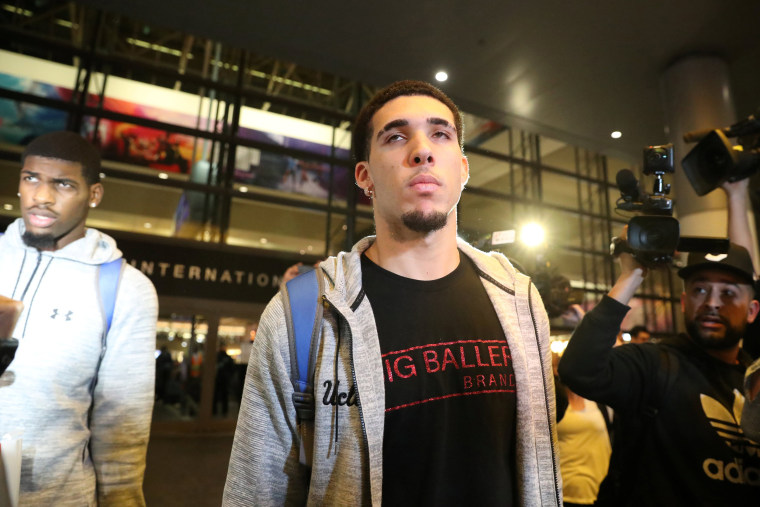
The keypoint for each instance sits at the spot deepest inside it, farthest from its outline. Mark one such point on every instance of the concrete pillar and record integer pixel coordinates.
(697, 95)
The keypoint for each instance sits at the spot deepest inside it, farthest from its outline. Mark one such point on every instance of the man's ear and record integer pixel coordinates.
(465, 171)
(754, 308)
(362, 176)
(96, 194)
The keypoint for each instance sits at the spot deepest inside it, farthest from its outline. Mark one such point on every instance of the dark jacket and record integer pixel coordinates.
(680, 441)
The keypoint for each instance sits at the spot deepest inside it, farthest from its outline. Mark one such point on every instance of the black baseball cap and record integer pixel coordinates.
(737, 261)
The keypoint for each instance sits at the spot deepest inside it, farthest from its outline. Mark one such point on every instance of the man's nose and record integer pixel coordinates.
(421, 152)
(43, 194)
(712, 299)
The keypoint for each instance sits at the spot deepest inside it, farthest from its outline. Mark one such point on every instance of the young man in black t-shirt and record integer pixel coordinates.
(433, 377)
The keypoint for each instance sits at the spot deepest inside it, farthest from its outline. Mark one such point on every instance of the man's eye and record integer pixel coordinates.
(442, 133)
(64, 184)
(394, 137)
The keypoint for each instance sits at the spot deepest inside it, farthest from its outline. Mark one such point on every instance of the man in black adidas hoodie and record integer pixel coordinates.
(680, 400)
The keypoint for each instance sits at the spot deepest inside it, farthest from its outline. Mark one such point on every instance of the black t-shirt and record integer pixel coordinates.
(449, 390)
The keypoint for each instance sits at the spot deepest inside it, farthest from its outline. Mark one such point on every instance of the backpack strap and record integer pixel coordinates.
(108, 283)
(109, 276)
(303, 315)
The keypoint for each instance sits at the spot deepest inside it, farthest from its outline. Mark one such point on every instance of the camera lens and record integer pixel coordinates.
(656, 155)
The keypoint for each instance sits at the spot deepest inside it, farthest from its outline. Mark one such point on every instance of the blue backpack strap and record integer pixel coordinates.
(109, 276)
(303, 311)
(108, 283)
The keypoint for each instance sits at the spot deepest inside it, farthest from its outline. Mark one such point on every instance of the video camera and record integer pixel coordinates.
(714, 160)
(655, 236)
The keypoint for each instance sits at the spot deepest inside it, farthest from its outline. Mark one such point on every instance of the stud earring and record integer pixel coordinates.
(19, 194)
(369, 192)
(92, 205)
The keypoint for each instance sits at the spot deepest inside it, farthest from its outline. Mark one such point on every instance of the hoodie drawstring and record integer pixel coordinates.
(18, 277)
(34, 294)
(335, 382)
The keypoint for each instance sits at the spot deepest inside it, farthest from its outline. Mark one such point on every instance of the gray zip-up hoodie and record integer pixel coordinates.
(46, 390)
(347, 450)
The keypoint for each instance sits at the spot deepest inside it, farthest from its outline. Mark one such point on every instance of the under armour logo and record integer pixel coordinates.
(715, 258)
(67, 316)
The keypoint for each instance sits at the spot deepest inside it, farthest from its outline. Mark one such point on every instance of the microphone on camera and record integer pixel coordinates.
(629, 186)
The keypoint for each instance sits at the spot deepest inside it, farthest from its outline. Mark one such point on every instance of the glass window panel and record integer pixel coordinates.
(20, 122)
(9, 177)
(562, 229)
(180, 352)
(490, 173)
(277, 227)
(614, 165)
(137, 207)
(559, 190)
(493, 136)
(557, 154)
(363, 227)
(133, 147)
(235, 337)
(480, 216)
(289, 174)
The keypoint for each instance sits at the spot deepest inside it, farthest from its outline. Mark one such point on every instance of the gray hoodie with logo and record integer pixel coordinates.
(347, 452)
(72, 457)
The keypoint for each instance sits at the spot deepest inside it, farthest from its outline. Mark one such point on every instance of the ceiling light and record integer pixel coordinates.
(244, 189)
(441, 76)
(163, 176)
(148, 225)
(7, 207)
(102, 175)
(264, 241)
(616, 134)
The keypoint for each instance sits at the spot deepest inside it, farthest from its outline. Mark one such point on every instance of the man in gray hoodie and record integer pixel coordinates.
(433, 378)
(84, 410)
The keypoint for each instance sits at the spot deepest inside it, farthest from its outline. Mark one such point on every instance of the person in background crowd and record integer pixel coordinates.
(85, 412)
(639, 334)
(406, 413)
(584, 450)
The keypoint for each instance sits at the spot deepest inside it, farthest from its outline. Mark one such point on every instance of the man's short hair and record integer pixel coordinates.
(362, 133)
(68, 146)
(635, 330)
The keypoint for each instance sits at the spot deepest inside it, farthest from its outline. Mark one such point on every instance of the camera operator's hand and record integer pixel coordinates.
(735, 189)
(632, 273)
(739, 230)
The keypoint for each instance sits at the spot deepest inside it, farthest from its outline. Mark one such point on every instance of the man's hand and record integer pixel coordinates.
(632, 273)
(735, 189)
